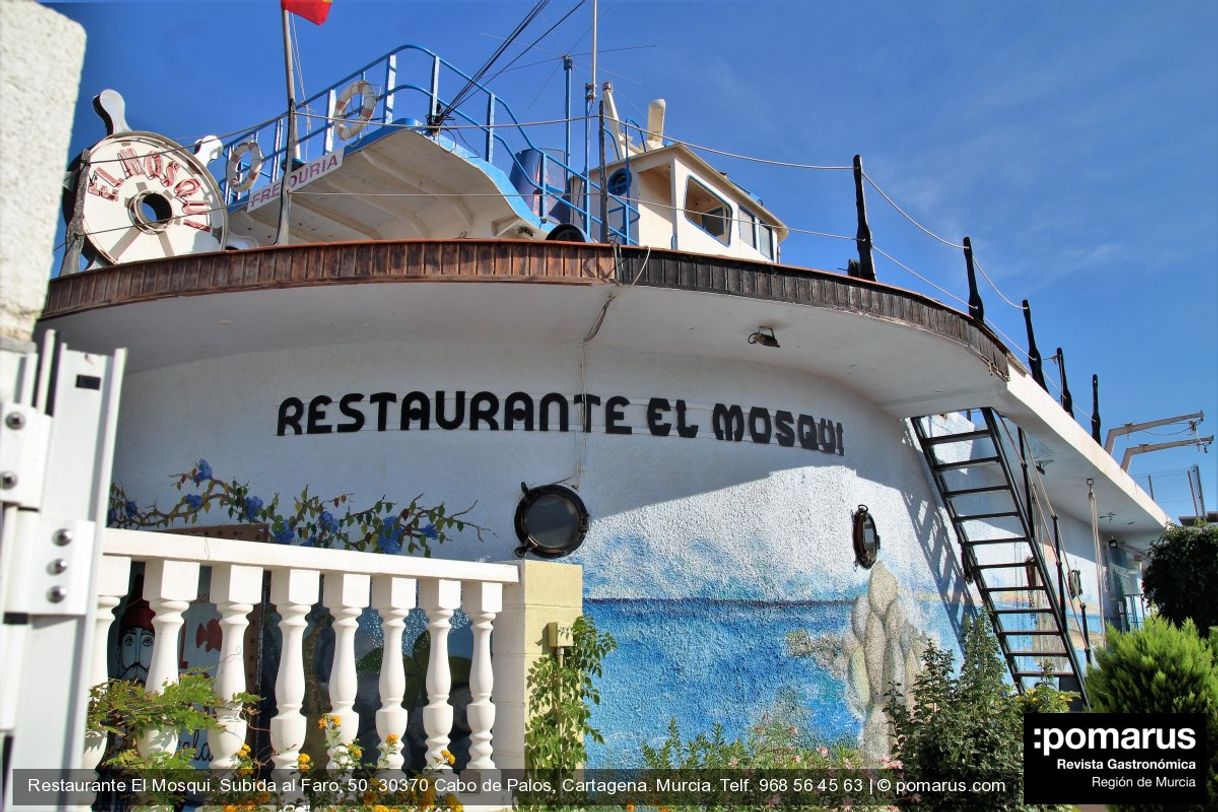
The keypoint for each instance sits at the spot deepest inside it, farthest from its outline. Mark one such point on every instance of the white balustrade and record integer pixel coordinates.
(293, 592)
(169, 587)
(353, 581)
(439, 599)
(112, 582)
(482, 602)
(234, 590)
(393, 598)
(345, 595)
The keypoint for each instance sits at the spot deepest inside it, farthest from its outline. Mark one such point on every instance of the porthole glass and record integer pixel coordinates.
(866, 538)
(551, 521)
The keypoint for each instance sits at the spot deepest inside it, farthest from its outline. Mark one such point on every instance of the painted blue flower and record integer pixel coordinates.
(194, 501)
(252, 505)
(390, 540)
(114, 516)
(328, 523)
(202, 471)
(131, 508)
(284, 534)
(430, 532)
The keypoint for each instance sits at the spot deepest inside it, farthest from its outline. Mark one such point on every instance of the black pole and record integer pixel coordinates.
(1061, 575)
(604, 182)
(1034, 360)
(976, 307)
(1095, 408)
(1067, 398)
(862, 238)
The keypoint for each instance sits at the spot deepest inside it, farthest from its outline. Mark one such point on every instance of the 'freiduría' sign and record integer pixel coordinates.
(519, 411)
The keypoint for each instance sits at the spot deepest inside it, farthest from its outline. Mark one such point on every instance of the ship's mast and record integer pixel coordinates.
(281, 235)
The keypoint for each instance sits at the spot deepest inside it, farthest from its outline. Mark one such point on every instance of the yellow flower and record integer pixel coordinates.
(392, 739)
(321, 723)
(449, 757)
(244, 751)
(302, 762)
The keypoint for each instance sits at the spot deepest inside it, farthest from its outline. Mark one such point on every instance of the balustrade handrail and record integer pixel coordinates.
(141, 545)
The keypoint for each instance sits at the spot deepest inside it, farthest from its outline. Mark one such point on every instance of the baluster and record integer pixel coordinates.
(332, 112)
(393, 599)
(391, 82)
(169, 587)
(234, 590)
(439, 598)
(345, 595)
(482, 602)
(293, 592)
(112, 582)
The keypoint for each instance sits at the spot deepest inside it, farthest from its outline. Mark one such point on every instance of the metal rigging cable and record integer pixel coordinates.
(440, 115)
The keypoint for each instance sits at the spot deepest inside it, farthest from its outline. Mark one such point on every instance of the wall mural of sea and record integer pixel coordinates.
(731, 662)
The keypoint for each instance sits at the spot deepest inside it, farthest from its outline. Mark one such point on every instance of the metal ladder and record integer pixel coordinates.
(974, 477)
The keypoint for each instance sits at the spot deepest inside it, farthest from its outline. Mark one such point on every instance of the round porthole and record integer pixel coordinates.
(619, 183)
(551, 521)
(866, 538)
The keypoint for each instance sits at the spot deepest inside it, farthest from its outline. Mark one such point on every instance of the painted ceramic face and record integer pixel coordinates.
(135, 654)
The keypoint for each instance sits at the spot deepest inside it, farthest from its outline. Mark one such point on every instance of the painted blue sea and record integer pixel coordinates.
(704, 661)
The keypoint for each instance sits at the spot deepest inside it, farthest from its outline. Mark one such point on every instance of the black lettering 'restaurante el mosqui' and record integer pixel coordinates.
(519, 411)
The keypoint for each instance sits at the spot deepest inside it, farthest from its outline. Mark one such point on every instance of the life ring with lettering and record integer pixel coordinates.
(349, 126)
(242, 182)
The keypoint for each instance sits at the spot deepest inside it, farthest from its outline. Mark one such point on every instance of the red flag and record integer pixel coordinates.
(315, 11)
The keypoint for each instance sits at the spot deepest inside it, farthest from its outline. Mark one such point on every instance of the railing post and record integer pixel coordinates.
(439, 598)
(234, 590)
(112, 582)
(293, 592)
(863, 235)
(435, 91)
(482, 602)
(1034, 360)
(169, 587)
(345, 595)
(546, 592)
(490, 127)
(331, 124)
(393, 599)
(1067, 398)
(391, 81)
(976, 307)
(275, 165)
(1095, 408)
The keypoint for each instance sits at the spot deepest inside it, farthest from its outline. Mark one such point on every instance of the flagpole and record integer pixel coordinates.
(281, 236)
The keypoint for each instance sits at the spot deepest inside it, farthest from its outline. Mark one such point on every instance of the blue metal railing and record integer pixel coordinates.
(486, 125)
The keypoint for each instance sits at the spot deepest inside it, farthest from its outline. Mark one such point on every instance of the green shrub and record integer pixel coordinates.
(769, 745)
(967, 728)
(1160, 668)
(1181, 577)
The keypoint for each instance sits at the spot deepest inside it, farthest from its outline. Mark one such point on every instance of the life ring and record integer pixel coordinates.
(238, 182)
(347, 126)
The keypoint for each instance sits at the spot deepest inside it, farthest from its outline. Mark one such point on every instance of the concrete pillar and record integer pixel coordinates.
(547, 592)
(41, 53)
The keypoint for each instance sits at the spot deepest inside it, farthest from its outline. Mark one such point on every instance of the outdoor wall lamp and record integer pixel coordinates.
(760, 336)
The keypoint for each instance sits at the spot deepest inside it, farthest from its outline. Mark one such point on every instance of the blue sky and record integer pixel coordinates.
(1076, 143)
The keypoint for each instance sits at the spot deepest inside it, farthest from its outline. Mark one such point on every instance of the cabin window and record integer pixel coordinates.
(708, 211)
(757, 234)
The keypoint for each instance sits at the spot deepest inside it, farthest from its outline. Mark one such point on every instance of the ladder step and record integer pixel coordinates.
(1054, 654)
(956, 438)
(944, 466)
(971, 491)
(1005, 540)
(1043, 632)
(1029, 588)
(996, 515)
(1040, 674)
(1028, 611)
(1012, 565)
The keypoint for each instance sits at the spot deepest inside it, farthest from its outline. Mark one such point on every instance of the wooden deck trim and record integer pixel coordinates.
(378, 262)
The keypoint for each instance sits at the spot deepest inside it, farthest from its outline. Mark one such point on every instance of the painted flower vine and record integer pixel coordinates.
(385, 526)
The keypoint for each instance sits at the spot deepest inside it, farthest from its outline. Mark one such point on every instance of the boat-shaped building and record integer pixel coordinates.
(781, 483)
